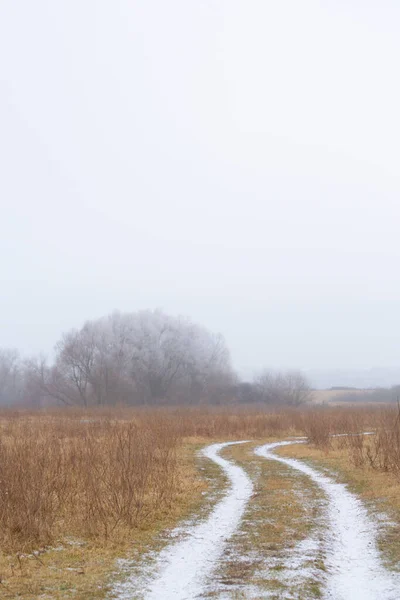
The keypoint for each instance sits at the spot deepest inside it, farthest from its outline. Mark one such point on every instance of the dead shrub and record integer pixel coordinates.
(318, 427)
(82, 477)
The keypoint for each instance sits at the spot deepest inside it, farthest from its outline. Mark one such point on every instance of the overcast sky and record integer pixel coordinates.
(236, 161)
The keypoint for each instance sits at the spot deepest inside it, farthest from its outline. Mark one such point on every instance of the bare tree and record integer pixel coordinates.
(287, 387)
(143, 357)
(11, 376)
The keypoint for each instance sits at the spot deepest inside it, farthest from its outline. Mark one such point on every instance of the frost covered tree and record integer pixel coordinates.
(143, 357)
(283, 387)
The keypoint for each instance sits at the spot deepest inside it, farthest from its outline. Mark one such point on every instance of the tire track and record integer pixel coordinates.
(354, 567)
(182, 569)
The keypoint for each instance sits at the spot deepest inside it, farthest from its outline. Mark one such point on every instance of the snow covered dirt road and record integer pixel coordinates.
(182, 569)
(353, 564)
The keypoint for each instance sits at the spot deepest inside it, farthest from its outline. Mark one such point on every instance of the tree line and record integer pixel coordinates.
(141, 358)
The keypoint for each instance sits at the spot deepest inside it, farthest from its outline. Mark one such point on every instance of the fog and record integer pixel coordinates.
(235, 161)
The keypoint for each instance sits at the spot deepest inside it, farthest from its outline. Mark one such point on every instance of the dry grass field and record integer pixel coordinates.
(78, 490)
(335, 397)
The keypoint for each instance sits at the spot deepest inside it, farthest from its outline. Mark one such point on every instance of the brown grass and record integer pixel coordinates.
(335, 397)
(101, 475)
(79, 489)
(380, 451)
(83, 568)
(81, 477)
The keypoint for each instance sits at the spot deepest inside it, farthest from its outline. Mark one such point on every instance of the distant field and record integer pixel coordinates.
(338, 396)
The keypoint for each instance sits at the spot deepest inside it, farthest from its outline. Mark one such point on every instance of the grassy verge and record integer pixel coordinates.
(271, 552)
(380, 491)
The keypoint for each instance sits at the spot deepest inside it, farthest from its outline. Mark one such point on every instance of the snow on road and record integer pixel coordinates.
(182, 569)
(354, 567)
